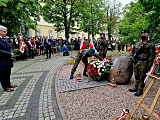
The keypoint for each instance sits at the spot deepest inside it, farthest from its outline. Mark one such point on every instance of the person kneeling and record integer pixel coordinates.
(65, 50)
(83, 55)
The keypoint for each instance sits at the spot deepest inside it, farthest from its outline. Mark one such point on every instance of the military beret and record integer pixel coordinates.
(145, 31)
(92, 51)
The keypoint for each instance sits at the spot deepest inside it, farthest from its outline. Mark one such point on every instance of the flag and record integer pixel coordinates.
(158, 50)
(91, 45)
(20, 40)
(83, 44)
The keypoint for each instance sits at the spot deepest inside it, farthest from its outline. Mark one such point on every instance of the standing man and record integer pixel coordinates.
(6, 62)
(143, 56)
(103, 46)
(48, 47)
(30, 47)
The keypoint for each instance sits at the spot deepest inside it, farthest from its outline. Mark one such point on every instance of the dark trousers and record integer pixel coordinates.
(24, 55)
(5, 78)
(48, 52)
(31, 53)
(102, 53)
(66, 53)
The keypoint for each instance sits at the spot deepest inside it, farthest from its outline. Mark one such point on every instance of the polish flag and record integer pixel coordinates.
(158, 50)
(20, 40)
(91, 45)
(83, 44)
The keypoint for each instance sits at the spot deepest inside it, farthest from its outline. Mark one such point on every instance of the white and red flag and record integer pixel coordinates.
(83, 44)
(158, 50)
(91, 45)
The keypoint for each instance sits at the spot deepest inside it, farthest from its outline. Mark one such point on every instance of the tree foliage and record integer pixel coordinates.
(152, 8)
(112, 16)
(143, 14)
(16, 14)
(3, 3)
(133, 22)
(65, 13)
(62, 13)
(93, 14)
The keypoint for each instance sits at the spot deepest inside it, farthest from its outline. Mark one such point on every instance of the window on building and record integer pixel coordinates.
(78, 35)
(50, 33)
(39, 32)
(73, 35)
(58, 34)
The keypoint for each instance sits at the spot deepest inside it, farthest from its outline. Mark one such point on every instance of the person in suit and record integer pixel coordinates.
(6, 62)
(48, 47)
(30, 47)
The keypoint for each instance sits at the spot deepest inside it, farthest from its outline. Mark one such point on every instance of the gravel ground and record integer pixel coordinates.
(104, 102)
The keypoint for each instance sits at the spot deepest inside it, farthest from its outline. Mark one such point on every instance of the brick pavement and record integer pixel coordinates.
(64, 83)
(39, 83)
(35, 96)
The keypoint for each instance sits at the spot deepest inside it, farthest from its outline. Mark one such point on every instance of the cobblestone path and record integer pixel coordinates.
(35, 96)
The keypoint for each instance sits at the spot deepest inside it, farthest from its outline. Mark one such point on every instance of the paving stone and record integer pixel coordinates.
(36, 87)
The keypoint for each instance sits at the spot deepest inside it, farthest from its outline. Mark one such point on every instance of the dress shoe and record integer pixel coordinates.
(8, 89)
(133, 90)
(85, 75)
(12, 86)
(138, 93)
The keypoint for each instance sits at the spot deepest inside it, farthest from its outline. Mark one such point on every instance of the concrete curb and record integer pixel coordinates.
(57, 95)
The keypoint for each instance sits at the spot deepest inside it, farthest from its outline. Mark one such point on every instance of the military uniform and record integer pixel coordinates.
(83, 55)
(103, 46)
(144, 54)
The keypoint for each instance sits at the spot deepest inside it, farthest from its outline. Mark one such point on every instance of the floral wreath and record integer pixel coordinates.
(97, 69)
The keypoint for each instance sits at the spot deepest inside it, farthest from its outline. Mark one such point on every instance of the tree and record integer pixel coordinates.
(92, 19)
(3, 3)
(153, 15)
(62, 13)
(112, 16)
(17, 14)
(134, 20)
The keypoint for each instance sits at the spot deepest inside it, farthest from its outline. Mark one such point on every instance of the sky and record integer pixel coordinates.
(124, 2)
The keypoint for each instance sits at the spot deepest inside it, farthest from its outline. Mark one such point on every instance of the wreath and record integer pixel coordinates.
(96, 70)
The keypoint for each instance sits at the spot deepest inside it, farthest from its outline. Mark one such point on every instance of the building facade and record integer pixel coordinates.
(47, 29)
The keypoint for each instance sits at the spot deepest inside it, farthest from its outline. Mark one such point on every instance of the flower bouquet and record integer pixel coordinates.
(96, 70)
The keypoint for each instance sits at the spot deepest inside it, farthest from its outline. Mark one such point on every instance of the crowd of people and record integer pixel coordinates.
(31, 46)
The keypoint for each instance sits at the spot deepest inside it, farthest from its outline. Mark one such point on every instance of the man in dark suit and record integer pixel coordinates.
(6, 62)
(30, 47)
(48, 48)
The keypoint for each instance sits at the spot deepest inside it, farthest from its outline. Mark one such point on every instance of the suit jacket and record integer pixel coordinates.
(5, 54)
(29, 45)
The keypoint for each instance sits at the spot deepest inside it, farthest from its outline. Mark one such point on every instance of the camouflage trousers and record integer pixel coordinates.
(140, 70)
(77, 61)
(102, 53)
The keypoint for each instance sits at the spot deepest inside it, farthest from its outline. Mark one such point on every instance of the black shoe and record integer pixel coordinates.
(12, 86)
(85, 75)
(71, 77)
(133, 90)
(138, 93)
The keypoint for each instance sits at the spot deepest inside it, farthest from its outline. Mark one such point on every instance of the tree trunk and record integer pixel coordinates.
(67, 33)
(1, 20)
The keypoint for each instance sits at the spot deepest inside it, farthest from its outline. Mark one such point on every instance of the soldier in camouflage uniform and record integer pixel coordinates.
(143, 56)
(102, 46)
(83, 55)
